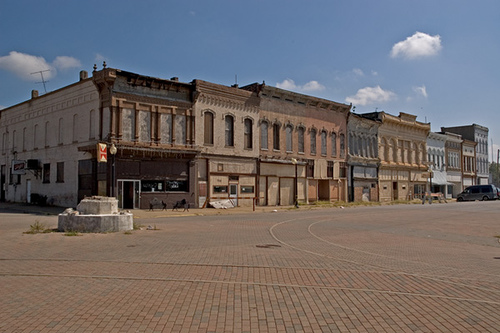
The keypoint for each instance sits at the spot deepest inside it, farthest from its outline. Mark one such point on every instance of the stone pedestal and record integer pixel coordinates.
(95, 214)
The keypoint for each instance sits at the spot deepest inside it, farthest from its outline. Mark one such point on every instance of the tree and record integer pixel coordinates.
(495, 173)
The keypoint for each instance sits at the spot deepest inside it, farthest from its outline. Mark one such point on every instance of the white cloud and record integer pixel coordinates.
(371, 95)
(417, 46)
(23, 65)
(63, 62)
(358, 72)
(421, 91)
(289, 84)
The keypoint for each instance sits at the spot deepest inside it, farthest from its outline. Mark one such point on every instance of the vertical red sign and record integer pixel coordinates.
(102, 154)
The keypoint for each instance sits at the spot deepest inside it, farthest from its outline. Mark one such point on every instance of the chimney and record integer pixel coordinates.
(175, 78)
(34, 94)
(84, 75)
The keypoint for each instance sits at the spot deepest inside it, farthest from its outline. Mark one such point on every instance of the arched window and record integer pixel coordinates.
(264, 128)
(334, 144)
(229, 121)
(313, 141)
(289, 141)
(60, 132)
(300, 139)
(276, 136)
(248, 134)
(342, 145)
(323, 143)
(208, 128)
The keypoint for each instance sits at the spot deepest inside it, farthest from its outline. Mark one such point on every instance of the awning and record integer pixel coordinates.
(439, 178)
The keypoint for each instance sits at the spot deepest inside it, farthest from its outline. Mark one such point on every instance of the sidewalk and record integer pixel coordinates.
(145, 214)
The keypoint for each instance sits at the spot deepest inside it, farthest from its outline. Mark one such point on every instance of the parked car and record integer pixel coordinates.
(479, 192)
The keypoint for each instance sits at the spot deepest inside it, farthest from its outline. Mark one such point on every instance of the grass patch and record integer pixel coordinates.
(137, 226)
(72, 233)
(497, 236)
(38, 228)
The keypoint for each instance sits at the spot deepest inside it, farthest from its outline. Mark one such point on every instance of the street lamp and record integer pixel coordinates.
(112, 151)
(295, 187)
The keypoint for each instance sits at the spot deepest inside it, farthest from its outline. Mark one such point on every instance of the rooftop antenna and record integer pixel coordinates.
(43, 80)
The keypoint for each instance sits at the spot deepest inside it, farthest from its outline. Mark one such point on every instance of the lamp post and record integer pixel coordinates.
(112, 151)
(295, 187)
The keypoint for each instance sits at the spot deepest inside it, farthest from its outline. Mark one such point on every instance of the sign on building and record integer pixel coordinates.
(102, 153)
(18, 167)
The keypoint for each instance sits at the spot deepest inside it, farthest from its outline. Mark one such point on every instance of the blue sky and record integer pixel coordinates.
(437, 59)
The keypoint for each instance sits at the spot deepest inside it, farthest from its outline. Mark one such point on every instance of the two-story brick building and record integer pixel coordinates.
(166, 140)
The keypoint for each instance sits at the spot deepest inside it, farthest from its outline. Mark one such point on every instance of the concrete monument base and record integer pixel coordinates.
(95, 214)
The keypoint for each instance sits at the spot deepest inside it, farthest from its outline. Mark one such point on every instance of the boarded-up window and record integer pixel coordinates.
(342, 145)
(323, 143)
(208, 128)
(263, 134)
(144, 126)
(288, 133)
(180, 129)
(166, 128)
(301, 139)
(128, 125)
(313, 141)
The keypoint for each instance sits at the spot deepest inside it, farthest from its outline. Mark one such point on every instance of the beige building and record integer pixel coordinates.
(469, 165)
(39, 144)
(363, 160)
(303, 147)
(227, 120)
(403, 171)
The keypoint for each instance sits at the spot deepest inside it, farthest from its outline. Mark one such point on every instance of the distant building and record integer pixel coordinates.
(303, 145)
(453, 150)
(469, 175)
(478, 134)
(436, 156)
(363, 159)
(403, 171)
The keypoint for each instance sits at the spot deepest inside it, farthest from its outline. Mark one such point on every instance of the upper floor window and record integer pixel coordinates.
(342, 145)
(248, 133)
(300, 139)
(288, 132)
(229, 121)
(208, 128)
(334, 144)
(264, 127)
(276, 136)
(323, 143)
(313, 141)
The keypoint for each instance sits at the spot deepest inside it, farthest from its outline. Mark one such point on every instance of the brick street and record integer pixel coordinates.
(400, 268)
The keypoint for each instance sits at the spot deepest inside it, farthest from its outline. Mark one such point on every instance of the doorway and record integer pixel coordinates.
(233, 194)
(395, 194)
(129, 194)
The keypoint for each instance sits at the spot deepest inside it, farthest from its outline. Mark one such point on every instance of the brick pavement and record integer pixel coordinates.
(405, 268)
